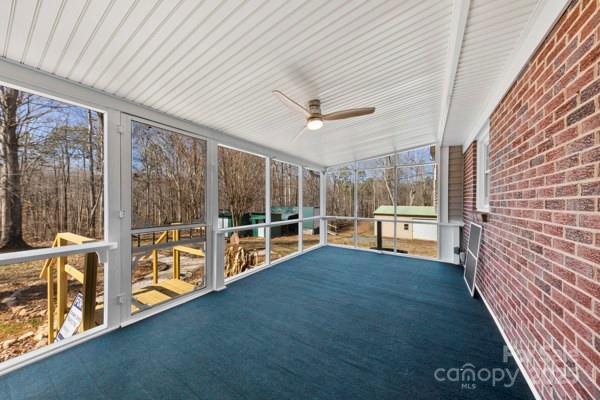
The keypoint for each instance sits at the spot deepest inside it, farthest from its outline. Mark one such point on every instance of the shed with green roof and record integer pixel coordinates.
(407, 226)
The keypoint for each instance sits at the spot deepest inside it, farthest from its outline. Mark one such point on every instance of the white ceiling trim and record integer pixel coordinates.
(541, 22)
(460, 16)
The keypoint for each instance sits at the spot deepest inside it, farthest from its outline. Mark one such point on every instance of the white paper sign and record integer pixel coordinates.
(73, 319)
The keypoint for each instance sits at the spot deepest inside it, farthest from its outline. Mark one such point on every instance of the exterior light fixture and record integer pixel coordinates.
(314, 123)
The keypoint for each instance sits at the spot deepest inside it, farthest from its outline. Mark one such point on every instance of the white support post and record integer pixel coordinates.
(300, 208)
(355, 213)
(395, 201)
(214, 242)
(441, 209)
(267, 210)
(123, 132)
(323, 208)
(219, 262)
(114, 267)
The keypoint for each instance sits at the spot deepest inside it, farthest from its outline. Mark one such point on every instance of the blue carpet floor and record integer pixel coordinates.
(331, 324)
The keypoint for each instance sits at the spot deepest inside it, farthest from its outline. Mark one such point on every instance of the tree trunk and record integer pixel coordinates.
(66, 169)
(11, 230)
(92, 209)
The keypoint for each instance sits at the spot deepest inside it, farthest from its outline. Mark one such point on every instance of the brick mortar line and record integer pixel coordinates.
(545, 258)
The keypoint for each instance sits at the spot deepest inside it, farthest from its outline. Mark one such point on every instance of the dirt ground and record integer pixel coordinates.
(23, 297)
(23, 305)
(367, 239)
(281, 246)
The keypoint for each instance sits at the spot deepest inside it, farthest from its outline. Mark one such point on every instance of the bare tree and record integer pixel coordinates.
(169, 174)
(92, 185)
(241, 183)
(11, 232)
(47, 155)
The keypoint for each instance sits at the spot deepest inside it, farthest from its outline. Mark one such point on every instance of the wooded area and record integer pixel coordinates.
(412, 183)
(168, 177)
(340, 191)
(51, 172)
(284, 185)
(241, 183)
(311, 189)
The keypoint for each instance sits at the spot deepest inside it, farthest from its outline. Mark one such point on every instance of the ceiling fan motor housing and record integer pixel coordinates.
(314, 107)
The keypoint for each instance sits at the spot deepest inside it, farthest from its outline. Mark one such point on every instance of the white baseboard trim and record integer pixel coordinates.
(528, 379)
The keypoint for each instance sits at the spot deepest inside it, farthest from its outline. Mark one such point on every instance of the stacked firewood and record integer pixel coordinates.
(237, 258)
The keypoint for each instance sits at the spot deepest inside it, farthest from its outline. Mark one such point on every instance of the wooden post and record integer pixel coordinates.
(154, 266)
(176, 256)
(50, 303)
(90, 280)
(379, 238)
(61, 288)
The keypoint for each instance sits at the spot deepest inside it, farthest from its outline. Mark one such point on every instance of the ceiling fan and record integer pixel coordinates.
(314, 116)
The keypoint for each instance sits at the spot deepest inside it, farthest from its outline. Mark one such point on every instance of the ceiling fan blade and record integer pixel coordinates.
(354, 112)
(299, 134)
(291, 103)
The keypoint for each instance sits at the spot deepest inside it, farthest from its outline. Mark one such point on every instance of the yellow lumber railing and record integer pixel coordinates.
(177, 250)
(88, 278)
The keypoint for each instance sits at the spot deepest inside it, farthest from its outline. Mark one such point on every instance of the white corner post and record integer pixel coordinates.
(448, 231)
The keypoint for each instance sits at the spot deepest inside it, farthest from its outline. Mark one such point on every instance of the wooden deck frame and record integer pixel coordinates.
(88, 278)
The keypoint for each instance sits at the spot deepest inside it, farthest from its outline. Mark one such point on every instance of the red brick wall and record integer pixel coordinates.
(540, 259)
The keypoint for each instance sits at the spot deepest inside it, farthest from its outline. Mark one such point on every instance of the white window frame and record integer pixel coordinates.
(127, 317)
(107, 248)
(220, 282)
(483, 171)
(114, 250)
(440, 197)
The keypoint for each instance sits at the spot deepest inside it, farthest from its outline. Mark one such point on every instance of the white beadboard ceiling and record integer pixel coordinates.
(215, 63)
(492, 35)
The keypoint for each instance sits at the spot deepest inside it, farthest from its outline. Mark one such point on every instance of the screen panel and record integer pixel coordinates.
(474, 238)
(470, 265)
(471, 260)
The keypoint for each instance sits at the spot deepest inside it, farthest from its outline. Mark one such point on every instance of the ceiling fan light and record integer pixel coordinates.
(314, 123)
